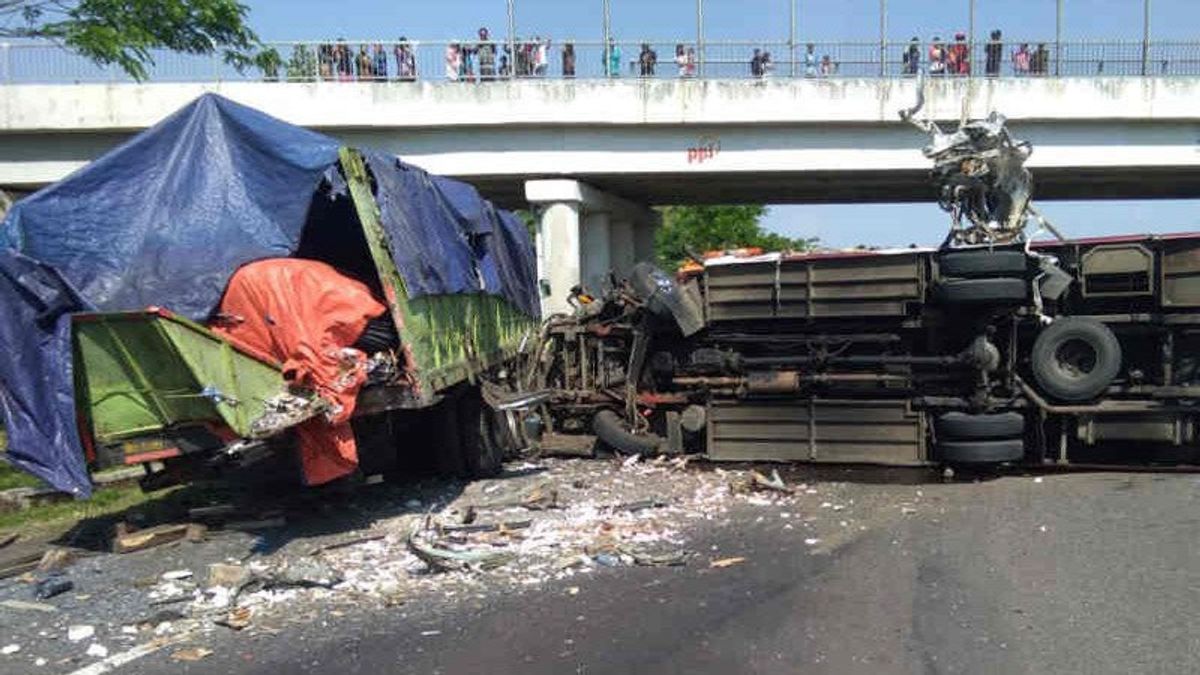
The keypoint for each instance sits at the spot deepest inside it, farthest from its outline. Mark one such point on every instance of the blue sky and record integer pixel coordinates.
(767, 20)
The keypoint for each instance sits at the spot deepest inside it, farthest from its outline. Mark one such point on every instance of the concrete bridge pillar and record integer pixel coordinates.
(583, 234)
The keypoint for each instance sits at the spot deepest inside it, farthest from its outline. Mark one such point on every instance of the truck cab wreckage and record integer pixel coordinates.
(991, 349)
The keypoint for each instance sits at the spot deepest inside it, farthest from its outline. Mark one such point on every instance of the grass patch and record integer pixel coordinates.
(12, 477)
(106, 502)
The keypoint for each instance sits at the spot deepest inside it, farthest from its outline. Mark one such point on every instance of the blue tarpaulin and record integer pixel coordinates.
(168, 217)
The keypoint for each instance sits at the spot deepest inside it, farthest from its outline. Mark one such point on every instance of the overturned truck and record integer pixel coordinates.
(226, 289)
(991, 349)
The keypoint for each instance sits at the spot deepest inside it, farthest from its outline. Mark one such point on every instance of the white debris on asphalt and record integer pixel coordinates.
(97, 650)
(80, 632)
(10, 649)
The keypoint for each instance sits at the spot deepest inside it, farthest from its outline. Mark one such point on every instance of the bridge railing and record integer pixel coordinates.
(28, 62)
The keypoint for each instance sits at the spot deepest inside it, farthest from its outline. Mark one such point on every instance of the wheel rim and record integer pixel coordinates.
(1076, 358)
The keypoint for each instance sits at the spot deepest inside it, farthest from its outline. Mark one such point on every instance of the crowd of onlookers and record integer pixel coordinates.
(954, 58)
(487, 59)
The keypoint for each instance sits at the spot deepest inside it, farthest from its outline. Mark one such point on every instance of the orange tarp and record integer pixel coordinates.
(306, 315)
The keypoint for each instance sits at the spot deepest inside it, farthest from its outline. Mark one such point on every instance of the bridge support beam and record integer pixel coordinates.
(583, 234)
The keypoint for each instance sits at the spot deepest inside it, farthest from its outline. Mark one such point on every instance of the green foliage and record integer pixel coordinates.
(124, 32)
(707, 228)
(530, 219)
(302, 67)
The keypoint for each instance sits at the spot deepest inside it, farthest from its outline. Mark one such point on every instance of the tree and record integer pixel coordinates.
(707, 228)
(124, 32)
(302, 67)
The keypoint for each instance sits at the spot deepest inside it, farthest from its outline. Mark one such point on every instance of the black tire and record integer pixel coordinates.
(981, 452)
(998, 291)
(957, 426)
(611, 430)
(982, 263)
(482, 451)
(1075, 359)
(444, 435)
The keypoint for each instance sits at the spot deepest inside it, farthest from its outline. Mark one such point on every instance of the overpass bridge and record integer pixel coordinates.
(595, 154)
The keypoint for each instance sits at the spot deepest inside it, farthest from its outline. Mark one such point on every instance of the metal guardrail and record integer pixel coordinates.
(474, 61)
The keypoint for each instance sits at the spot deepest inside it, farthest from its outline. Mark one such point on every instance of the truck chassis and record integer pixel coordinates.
(1069, 352)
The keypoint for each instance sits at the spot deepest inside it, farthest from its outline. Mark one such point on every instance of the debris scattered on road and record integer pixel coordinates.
(541, 523)
(507, 526)
(237, 619)
(55, 559)
(228, 575)
(52, 586)
(9, 650)
(303, 573)
(28, 606)
(640, 505)
(128, 541)
(449, 560)
(257, 524)
(210, 514)
(775, 482)
(347, 542)
(190, 654)
(97, 650)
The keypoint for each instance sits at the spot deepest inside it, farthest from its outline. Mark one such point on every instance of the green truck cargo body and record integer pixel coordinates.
(151, 386)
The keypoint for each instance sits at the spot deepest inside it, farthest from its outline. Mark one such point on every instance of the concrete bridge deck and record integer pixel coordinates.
(657, 142)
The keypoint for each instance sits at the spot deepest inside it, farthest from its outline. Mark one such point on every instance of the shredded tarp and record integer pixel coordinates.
(165, 220)
(306, 315)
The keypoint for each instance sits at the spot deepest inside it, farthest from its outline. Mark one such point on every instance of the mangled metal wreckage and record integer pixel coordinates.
(990, 349)
(225, 286)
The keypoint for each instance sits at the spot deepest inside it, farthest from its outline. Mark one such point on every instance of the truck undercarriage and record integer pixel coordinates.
(910, 357)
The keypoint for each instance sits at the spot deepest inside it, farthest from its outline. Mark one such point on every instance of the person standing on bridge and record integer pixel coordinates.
(345, 61)
(487, 56)
(612, 59)
(756, 70)
(1020, 60)
(541, 56)
(810, 60)
(568, 60)
(647, 61)
(406, 61)
(995, 52)
(325, 61)
(453, 62)
(1040, 62)
(937, 57)
(959, 56)
(911, 59)
(380, 66)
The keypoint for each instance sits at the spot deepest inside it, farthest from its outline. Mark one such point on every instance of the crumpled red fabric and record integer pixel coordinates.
(305, 314)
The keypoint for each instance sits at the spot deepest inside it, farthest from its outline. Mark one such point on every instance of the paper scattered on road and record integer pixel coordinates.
(727, 562)
(10, 649)
(80, 632)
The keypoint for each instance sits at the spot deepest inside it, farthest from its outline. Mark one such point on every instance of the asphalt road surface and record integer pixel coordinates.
(1080, 573)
